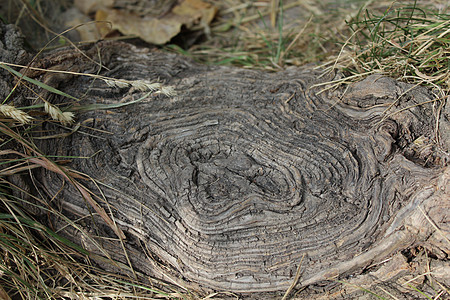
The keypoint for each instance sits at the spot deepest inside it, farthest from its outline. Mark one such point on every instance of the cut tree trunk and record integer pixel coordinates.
(243, 176)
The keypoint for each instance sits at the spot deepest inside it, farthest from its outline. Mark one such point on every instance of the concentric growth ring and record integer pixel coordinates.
(247, 198)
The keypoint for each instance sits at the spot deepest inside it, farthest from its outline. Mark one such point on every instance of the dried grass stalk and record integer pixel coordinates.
(64, 117)
(142, 85)
(14, 113)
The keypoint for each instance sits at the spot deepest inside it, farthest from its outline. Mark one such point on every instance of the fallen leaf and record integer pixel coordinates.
(192, 14)
(196, 12)
(87, 31)
(91, 6)
(151, 30)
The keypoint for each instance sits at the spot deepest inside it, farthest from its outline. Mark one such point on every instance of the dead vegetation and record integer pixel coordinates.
(407, 40)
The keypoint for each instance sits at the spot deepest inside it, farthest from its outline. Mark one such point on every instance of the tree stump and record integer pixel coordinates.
(244, 175)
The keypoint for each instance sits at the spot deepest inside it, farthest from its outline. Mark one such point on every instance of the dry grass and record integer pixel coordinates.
(401, 39)
(407, 42)
(261, 35)
(36, 261)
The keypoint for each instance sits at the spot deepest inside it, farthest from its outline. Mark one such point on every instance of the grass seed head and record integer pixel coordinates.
(14, 113)
(66, 118)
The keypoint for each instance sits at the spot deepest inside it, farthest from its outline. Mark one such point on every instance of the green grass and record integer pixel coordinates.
(409, 43)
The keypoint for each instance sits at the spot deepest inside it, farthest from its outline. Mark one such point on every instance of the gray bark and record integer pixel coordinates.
(227, 185)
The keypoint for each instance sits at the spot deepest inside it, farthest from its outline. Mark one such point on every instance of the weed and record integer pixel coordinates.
(409, 43)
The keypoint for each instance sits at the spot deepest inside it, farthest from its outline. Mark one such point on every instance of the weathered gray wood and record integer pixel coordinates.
(228, 184)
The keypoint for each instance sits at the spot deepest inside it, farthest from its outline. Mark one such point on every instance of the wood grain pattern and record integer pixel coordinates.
(230, 183)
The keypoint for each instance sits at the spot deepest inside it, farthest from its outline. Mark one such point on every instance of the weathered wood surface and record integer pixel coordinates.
(228, 184)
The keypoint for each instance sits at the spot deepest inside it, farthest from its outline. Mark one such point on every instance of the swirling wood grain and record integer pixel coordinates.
(232, 181)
